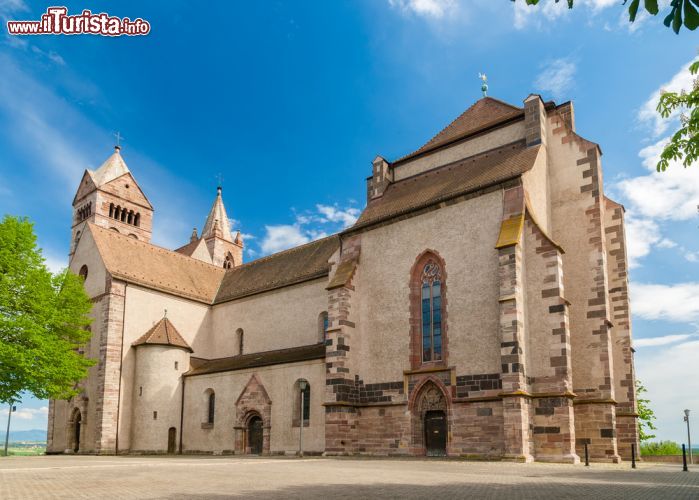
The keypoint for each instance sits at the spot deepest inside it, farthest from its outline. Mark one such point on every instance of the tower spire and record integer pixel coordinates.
(217, 223)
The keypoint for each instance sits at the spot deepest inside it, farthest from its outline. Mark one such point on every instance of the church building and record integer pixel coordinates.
(478, 307)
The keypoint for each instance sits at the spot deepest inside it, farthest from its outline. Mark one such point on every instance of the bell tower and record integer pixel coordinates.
(111, 198)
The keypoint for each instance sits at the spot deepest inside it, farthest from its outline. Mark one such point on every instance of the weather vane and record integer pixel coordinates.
(219, 179)
(484, 87)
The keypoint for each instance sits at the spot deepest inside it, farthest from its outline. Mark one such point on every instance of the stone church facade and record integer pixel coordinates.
(478, 307)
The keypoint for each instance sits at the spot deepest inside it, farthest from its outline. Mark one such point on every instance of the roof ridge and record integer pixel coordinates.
(260, 353)
(288, 250)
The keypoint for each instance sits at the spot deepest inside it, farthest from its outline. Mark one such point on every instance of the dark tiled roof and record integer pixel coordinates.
(163, 333)
(280, 356)
(285, 268)
(485, 113)
(461, 177)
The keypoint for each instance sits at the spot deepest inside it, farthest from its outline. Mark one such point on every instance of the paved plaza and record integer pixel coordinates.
(277, 478)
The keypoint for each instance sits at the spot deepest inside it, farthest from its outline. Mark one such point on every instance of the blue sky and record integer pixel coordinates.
(290, 102)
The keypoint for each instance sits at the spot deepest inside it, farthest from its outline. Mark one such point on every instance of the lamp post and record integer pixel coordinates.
(689, 437)
(9, 418)
(302, 385)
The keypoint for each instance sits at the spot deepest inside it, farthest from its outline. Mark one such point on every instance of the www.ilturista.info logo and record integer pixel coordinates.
(56, 21)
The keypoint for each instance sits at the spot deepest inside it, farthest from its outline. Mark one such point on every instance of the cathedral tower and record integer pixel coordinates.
(111, 198)
(225, 250)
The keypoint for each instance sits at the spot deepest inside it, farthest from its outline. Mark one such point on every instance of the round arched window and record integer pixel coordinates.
(83, 272)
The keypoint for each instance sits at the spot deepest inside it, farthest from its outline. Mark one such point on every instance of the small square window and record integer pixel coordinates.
(155, 415)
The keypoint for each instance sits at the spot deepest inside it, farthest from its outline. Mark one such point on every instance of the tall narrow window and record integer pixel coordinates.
(240, 334)
(302, 403)
(431, 309)
(307, 403)
(323, 326)
(212, 407)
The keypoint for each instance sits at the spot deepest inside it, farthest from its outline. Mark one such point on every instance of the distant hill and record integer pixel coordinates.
(38, 435)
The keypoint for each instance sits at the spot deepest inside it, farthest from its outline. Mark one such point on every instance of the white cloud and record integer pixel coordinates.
(308, 226)
(676, 302)
(11, 7)
(549, 10)
(667, 373)
(557, 78)
(664, 340)
(54, 261)
(435, 9)
(38, 414)
(346, 216)
(641, 236)
(669, 195)
(281, 237)
(682, 80)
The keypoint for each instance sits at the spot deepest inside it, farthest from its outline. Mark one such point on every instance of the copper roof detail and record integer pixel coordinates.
(163, 333)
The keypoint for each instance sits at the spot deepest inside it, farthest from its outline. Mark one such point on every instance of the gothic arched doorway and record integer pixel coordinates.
(430, 420)
(77, 418)
(255, 437)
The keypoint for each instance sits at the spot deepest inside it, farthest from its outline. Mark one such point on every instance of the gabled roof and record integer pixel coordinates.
(485, 113)
(163, 333)
(449, 181)
(295, 265)
(151, 266)
(113, 167)
(201, 366)
(217, 213)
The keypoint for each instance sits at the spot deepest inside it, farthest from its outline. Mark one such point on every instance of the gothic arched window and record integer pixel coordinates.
(212, 407)
(431, 311)
(428, 311)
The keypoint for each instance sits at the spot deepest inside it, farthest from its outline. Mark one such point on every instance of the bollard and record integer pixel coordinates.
(633, 456)
(587, 457)
(684, 459)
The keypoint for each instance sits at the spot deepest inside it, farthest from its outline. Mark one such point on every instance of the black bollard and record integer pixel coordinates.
(587, 457)
(633, 456)
(684, 459)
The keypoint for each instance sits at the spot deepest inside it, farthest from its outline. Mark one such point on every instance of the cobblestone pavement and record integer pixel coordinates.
(277, 478)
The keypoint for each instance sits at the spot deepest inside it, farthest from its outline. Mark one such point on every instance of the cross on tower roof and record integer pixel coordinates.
(219, 179)
(118, 140)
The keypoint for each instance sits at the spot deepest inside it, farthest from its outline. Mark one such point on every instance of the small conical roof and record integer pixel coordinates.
(163, 333)
(111, 169)
(217, 213)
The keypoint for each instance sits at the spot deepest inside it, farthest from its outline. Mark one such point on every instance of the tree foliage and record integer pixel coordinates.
(681, 13)
(43, 320)
(645, 414)
(684, 144)
(661, 448)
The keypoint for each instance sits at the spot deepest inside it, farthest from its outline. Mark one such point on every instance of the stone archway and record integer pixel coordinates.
(430, 414)
(75, 428)
(253, 415)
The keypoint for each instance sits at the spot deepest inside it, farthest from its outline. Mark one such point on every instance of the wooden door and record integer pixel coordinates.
(436, 433)
(255, 436)
(171, 440)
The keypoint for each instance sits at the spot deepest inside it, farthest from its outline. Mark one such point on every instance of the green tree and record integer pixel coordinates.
(684, 144)
(645, 414)
(43, 320)
(682, 12)
(661, 448)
